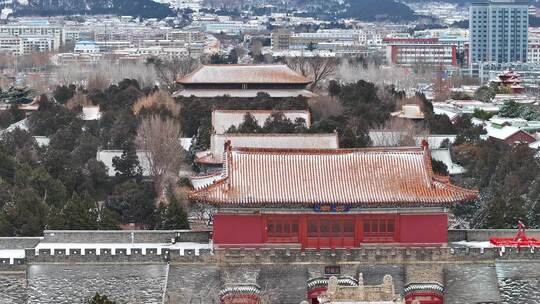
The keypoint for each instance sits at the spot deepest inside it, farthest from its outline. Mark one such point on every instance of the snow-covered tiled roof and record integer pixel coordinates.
(360, 177)
(90, 113)
(21, 124)
(201, 181)
(42, 141)
(516, 122)
(444, 156)
(283, 141)
(275, 93)
(535, 145)
(239, 73)
(501, 133)
(450, 112)
(410, 111)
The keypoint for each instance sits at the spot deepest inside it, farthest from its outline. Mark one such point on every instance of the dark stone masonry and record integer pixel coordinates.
(165, 275)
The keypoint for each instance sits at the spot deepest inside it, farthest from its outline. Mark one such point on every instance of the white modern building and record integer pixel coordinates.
(232, 27)
(86, 47)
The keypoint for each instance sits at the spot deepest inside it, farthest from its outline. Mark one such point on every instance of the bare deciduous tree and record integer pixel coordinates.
(441, 86)
(401, 78)
(78, 100)
(315, 68)
(159, 139)
(106, 73)
(158, 98)
(325, 106)
(97, 82)
(256, 47)
(397, 132)
(169, 71)
(299, 64)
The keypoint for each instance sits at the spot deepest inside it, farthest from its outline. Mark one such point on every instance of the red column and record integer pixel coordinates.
(264, 228)
(358, 231)
(302, 230)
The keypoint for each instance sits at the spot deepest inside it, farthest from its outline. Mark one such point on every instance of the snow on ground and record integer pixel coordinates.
(12, 254)
(128, 246)
(472, 244)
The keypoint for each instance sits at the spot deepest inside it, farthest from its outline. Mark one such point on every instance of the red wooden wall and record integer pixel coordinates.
(238, 229)
(521, 137)
(418, 229)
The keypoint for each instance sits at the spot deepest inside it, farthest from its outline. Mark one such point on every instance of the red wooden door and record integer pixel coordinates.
(330, 231)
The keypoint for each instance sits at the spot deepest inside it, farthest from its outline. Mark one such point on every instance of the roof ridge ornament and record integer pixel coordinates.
(427, 162)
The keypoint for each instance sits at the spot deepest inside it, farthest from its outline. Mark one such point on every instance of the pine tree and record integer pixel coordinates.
(334, 89)
(100, 299)
(533, 204)
(107, 219)
(249, 125)
(159, 216)
(6, 229)
(176, 217)
(493, 213)
(173, 216)
(28, 214)
(127, 166)
(201, 141)
(278, 123)
(80, 213)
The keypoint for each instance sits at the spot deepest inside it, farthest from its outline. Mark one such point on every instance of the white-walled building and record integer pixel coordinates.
(86, 47)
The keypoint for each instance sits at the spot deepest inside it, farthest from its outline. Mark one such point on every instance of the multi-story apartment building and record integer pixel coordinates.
(187, 36)
(420, 51)
(340, 42)
(37, 44)
(533, 49)
(86, 47)
(10, 44)
(27, 44)
(232, 27)
(26, 37)
(498, 31)
(281, 40)
(74, 34)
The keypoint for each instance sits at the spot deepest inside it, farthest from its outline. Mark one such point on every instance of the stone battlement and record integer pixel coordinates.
(124, 236)
(371, 255)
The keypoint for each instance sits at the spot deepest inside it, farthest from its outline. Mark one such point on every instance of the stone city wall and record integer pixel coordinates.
(124, 236)
(16, 264)
(479, 235)
(102, 255)
(19, 242)
(372, 255)
(405, 255)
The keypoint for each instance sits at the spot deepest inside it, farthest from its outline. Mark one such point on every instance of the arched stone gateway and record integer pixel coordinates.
(424, 293)
(318, 286)
(240, 294)
(347, 289)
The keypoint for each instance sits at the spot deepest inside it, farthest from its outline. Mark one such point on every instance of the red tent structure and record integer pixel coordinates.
(520, 240)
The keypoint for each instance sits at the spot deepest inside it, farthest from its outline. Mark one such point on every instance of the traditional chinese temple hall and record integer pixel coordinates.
(330, 198)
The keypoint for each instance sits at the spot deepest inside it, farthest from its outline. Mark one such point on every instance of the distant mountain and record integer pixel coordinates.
(464, 2)
(458, 2)
(136, 8)
(371, 10)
